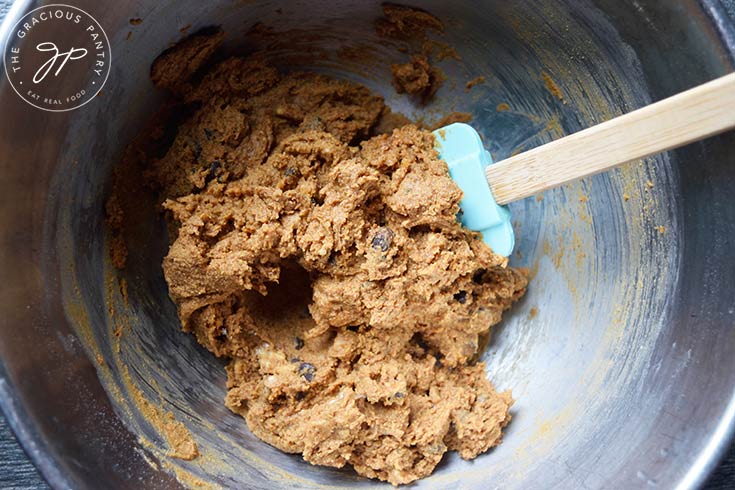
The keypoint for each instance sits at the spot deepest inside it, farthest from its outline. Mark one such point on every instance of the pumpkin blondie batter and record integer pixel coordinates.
(325, 262)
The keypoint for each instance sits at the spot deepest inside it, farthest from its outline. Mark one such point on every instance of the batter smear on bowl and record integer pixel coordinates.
(326, 263)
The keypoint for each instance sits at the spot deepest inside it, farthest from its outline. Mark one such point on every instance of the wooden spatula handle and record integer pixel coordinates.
(689, 116)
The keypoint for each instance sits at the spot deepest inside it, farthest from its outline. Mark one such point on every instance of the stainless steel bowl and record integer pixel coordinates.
(621, 357)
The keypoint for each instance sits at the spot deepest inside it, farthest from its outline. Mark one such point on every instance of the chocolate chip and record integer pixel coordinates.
(461, 297)
(478, 276)
(399, 395)
(290, 171)
(382, 239)
(196, 148)
(214, 169)
(298, 343)
(208, 133)
(300, 395)
(307, 370)
(418, 339)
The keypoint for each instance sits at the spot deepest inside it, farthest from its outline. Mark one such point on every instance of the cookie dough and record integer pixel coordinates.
(325, 262)
(404, 22)
(417, 77)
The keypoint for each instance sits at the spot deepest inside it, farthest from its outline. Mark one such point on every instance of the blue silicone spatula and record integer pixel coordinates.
(703, 111)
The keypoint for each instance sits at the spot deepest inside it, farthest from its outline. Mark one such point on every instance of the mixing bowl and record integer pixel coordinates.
(621, 356)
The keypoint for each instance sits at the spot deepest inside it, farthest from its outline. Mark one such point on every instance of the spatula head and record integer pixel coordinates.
(461, 147)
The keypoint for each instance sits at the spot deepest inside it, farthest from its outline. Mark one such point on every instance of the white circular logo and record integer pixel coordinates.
(57, 57)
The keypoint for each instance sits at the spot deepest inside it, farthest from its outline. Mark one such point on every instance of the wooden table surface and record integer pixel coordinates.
(18, 473)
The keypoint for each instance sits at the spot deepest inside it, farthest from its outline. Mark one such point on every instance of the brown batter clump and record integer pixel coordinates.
(325, 261)
(174, 67)
(417, 77)
(404, 22)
